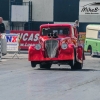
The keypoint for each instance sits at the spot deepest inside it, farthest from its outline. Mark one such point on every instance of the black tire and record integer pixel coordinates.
(46, 66)
(91, 53)
(78, 65)
(33, 64)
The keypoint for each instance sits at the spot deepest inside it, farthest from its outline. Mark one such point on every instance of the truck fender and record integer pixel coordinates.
(80, 54)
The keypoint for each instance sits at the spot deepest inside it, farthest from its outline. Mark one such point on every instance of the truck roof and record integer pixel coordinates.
(55, 25)
(93, 26)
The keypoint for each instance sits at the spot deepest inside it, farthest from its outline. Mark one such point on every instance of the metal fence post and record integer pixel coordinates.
(0, 49)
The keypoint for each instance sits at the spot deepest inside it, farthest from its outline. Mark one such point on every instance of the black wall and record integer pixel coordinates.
(66, 10)
(4, 8)
(17, 2)
(34, 25)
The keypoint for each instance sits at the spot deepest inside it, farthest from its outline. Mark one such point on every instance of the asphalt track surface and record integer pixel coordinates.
(18, 81)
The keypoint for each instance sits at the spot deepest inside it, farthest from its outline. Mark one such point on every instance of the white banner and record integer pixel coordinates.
(12, 42)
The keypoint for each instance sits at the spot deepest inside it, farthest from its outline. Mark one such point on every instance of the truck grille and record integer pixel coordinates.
(51, 48)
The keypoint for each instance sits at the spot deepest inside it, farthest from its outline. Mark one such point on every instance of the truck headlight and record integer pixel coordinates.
(64, 46)
(37, 46)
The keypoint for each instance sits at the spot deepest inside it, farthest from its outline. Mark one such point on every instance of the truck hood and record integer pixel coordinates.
(60, 38)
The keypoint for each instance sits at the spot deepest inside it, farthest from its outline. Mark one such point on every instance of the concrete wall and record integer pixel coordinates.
(57, 11)
(53, 11)
(42, 10)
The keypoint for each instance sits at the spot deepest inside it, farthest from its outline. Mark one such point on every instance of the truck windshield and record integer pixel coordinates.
(59, 31)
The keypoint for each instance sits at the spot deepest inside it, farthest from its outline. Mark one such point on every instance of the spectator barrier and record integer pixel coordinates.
(9, 43)
(13, 44)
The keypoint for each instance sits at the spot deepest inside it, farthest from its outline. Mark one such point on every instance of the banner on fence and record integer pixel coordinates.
(12, 42)
(27, 38)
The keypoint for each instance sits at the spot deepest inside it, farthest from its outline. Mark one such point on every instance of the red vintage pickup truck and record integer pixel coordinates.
(58, 44)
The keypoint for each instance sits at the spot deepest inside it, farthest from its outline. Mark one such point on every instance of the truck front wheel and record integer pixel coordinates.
(75, 64)
(78, 65)
(33, 64)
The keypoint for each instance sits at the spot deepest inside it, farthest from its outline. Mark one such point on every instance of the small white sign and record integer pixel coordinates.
(12, 42)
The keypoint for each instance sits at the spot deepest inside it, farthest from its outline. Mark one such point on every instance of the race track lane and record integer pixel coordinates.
(18, 81)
